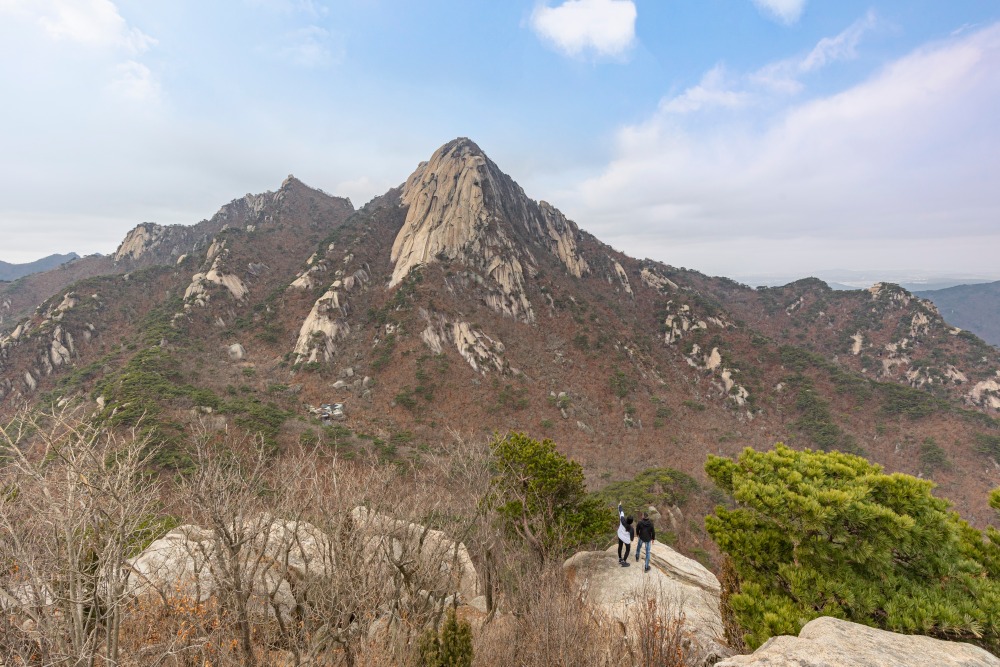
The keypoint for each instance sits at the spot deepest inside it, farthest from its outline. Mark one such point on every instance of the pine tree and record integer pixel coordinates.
(543, 497)
(829, 534)
(453, 648)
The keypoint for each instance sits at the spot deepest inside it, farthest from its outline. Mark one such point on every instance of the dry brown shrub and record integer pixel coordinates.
(730, 581)
(550, 625)
(657, 636)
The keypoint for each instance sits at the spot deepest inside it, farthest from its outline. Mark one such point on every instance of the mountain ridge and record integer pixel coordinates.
(10, 271)
(973, 307)
(517, 321)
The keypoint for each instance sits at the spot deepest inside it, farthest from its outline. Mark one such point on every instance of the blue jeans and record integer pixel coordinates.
(638, 549)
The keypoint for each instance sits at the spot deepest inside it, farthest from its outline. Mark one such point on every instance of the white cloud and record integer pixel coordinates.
(576, 28)
(785, 11)
(719, 88)
(92, 23)
(901, 160)
(716, 89)
(95, 30)
(841, 47)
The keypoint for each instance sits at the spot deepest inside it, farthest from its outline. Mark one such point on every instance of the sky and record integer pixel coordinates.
(736, 137)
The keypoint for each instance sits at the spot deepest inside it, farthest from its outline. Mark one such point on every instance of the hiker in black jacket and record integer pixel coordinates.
(646, 533)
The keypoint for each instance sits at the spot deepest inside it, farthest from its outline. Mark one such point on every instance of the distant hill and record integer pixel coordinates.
(972, 307)
(15, 271)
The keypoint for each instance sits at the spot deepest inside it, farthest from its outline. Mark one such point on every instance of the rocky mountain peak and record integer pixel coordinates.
(138, 241)
(462, 207)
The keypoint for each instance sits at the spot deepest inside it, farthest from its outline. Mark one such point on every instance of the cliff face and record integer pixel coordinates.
(462, 208)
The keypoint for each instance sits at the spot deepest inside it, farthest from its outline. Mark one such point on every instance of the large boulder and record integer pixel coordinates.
(280, 559)
(175, 564)
(433, 551)
(276, 556)
(831, 642)
(680, 586)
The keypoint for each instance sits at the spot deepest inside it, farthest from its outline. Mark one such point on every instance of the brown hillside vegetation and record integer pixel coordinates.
(251, 559)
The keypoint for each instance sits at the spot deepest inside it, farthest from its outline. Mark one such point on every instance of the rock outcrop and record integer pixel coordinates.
(149, 243)
(50, 341)
(141, 240)
(431, 549)
(986, 393)
(679, 322)
(463, 208)
(681, 587)
(481, 351)
(279, 557)
(831, 642)
(197, 294)
(325, 324)
(327, 321)
(277, 553)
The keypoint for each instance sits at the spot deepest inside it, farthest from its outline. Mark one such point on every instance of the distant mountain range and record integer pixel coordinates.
(456, 304)
(972, 307)
(847, 279)
(15, 271)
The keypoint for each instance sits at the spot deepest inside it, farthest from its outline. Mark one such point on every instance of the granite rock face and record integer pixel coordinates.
(680, 586)
(463, 208)
(831, 642)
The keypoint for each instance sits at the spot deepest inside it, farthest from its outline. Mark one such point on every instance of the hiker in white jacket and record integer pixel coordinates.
(625, 535)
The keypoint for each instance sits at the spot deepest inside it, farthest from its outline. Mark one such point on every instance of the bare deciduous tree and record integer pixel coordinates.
(77, 502)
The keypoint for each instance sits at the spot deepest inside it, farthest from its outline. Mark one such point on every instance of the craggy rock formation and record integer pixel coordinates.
(53, 344)
(680, 585)
(829, 642)
(462, 207)
(885, 332)
(197, 294)
(165, 244)
(480, 350)
(327, 322)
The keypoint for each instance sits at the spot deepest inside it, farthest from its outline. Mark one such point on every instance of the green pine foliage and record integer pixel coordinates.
(542, 497)
(659, 487)
(452, 648)
(829, 534)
